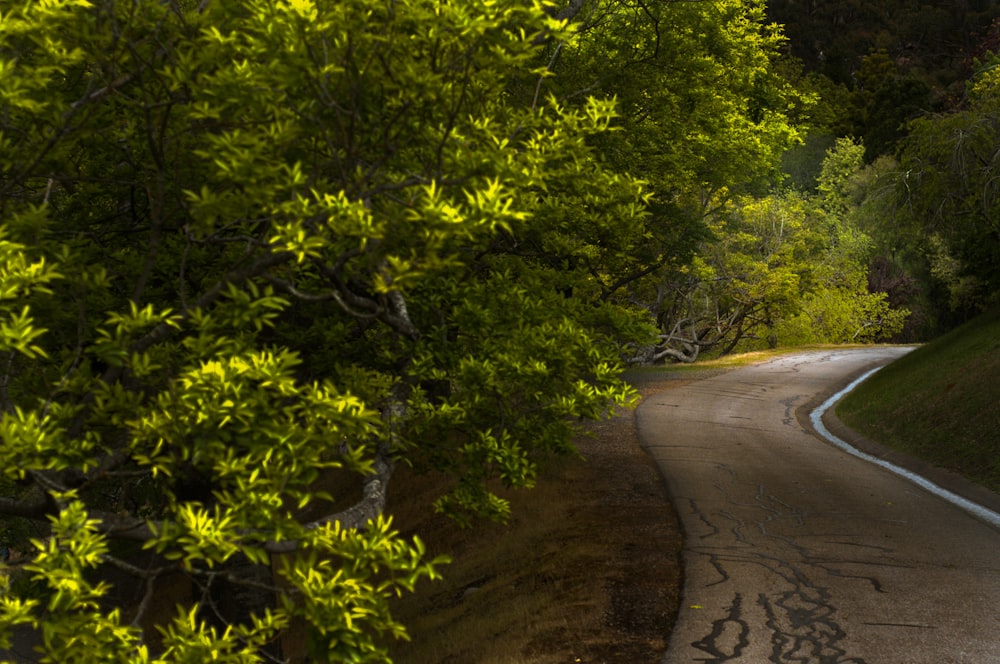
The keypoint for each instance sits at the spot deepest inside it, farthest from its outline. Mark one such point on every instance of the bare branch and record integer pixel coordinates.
(37, 507)
(372, 505)
(541, 77)
(147, 597)
(99, 93)
(398, 316)
(288, 287)
(567, 13)
(678, 355)
(393, 312)
(125, 527)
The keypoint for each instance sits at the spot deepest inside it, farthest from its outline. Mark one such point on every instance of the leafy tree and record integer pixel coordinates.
(704, 115)
(844, 304)
(886, 99)
(255, 255)
(703, 107)
(749, 277)
(788, 268)
(947, 189)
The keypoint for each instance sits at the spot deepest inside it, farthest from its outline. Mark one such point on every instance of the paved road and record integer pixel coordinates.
(798, 552)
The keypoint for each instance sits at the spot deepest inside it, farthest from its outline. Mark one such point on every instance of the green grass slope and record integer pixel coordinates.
(940, 403)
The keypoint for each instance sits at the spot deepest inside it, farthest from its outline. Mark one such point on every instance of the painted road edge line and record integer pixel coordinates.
(816, 417)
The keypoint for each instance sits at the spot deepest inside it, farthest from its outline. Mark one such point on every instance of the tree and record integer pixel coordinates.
(787, 268)
(843, 304)
(947, 189)
(703, 117)
(255, 255)
(752, 276)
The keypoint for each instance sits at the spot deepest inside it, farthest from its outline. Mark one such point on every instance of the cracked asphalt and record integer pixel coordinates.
(798, 552)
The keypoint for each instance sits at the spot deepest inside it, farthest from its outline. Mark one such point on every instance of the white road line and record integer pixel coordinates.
(816, 417)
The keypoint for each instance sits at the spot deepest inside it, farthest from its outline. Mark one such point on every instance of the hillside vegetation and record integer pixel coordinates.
(940, 403)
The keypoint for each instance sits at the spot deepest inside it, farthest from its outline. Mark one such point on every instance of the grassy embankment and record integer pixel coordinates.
(940, 403)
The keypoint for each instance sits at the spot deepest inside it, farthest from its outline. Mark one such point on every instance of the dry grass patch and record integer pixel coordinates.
(587, 570)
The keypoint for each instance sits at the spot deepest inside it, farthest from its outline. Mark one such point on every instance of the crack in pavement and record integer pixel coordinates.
(797, 552)
(803, 629)
(728, 638)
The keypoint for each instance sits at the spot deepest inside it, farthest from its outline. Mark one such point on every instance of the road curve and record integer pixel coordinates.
(798, 552)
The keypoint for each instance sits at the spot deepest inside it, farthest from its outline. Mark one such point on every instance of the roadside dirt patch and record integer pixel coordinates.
(588, 569)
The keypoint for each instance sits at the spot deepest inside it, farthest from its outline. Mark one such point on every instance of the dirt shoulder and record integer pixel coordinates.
(588, 569)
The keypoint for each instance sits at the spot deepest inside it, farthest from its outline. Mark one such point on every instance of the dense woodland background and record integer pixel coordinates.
(892, 75)
(256, 255)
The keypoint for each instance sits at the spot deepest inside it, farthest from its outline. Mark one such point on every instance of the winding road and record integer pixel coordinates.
(798, 552)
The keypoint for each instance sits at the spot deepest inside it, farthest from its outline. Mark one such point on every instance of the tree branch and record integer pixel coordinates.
(117, 526)
(567, 13)
(255, 269)
(374, 493)
(393, 312)
(36, 508)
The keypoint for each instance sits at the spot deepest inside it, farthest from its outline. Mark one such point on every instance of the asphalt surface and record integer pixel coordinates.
(799, 552)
